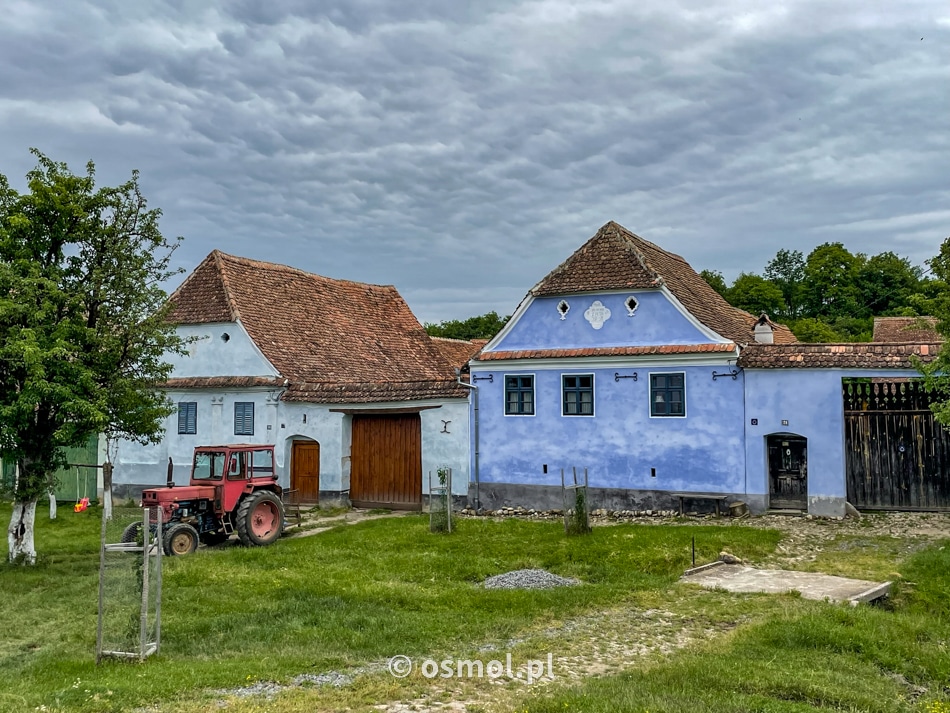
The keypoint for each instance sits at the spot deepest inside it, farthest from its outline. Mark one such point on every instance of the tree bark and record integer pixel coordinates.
(52, 505)
(20, 532)
(107, 490)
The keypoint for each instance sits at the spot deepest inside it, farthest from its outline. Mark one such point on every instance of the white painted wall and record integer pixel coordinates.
(447, 444)
(210, 354)
(279, 423)
(146, 464)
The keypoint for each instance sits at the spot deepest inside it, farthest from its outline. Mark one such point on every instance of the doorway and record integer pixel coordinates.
(305, 471)
(788, 471)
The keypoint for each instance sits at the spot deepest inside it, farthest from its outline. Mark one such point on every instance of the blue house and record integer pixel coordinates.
(624, 361)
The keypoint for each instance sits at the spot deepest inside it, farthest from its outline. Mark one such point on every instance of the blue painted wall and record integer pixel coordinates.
(656, 321)
(621, 443)
(810, 400)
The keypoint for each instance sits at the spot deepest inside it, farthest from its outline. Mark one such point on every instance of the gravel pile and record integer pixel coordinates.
(528, 579)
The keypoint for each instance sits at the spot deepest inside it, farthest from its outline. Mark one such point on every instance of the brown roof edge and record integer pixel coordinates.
(228, 292)
(219, 382)
(356, 392)
(712, 348)
(844, 355)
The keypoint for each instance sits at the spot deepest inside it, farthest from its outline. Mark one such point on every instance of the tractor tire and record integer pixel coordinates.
(132, 534)
(260, 519)
(180, 539)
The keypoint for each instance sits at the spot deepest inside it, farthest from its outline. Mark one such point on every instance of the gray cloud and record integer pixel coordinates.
(461, 150)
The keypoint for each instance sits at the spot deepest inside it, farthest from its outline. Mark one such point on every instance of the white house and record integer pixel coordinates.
(339, 376)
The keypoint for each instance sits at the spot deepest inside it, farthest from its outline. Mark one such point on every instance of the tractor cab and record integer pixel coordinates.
(234, 471)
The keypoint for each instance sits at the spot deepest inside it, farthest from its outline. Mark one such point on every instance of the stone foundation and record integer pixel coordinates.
(494, 496)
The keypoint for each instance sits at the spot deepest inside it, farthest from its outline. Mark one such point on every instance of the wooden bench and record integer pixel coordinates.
(718, 498)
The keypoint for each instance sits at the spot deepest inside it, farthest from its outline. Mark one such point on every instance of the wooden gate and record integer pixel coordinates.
(305, 471)
(386, 461)
(897, 457)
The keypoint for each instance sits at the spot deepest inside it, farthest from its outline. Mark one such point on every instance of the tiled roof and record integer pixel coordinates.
(608, 351)
(372, 393)
(857, 355)
(316, 330)
(906, 329)
(616, 259)
(224, 382)
(459, 351)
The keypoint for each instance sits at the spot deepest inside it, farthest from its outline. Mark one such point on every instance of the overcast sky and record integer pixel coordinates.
(460, 150)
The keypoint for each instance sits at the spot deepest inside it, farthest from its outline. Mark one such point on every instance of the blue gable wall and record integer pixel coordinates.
(656, 321)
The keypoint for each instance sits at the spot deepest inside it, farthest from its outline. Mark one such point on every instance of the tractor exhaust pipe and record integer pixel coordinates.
(170, 479)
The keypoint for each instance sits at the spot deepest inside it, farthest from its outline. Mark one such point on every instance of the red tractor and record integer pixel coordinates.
(233, 489)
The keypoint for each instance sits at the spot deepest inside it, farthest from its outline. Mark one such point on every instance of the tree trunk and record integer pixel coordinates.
(107, 490)
(20, 532)
(52, 505)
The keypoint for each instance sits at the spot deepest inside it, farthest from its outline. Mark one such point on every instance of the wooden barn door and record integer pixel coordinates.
(305, 471)
(897, 457)
(386, 461)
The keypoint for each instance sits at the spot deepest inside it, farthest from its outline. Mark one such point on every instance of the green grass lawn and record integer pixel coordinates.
(814, 657)
(334, 601)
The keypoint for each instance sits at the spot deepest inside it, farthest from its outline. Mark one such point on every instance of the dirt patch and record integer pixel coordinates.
(313, 522)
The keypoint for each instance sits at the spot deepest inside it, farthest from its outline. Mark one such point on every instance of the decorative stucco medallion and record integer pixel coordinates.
(597, 314)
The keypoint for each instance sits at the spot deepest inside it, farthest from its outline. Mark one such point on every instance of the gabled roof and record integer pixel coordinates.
(853, 355)
(347, 341)
(906, 329)
(616, 259)
(458, 351)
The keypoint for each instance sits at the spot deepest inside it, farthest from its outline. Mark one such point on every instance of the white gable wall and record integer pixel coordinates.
(211, 354)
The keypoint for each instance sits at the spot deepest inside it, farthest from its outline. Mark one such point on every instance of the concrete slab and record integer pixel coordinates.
(741, 579)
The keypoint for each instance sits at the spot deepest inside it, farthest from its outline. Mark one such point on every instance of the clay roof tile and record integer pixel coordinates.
(616, 259)
(318, 330)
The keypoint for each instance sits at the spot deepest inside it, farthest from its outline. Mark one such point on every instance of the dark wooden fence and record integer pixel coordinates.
(897, 456)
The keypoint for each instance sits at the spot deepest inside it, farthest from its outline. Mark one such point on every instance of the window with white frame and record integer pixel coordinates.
(519, 395)
(578, 394)
(668, 394)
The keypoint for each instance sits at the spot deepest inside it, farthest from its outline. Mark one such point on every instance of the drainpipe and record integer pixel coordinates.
(458, 378)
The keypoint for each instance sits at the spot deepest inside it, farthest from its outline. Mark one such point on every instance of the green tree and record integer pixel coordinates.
(831, 282)
(787, 271)
(483, 326)
(83, 329)
(887, 281)
(755, 294)
(937, 373)
(813, 329)
(715, 280)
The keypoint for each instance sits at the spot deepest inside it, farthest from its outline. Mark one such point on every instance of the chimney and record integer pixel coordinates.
(763, 330)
